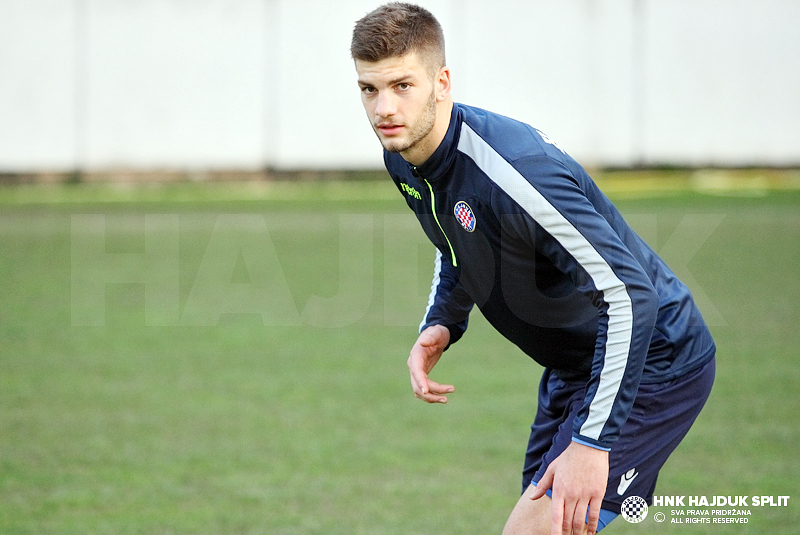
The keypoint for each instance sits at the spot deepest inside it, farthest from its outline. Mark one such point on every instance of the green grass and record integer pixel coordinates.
(295, 416)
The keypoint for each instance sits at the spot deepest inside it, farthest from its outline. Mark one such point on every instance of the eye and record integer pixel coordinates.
(368, 89)
(403, 86)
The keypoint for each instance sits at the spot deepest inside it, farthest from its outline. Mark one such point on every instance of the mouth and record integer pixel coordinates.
(389, 129)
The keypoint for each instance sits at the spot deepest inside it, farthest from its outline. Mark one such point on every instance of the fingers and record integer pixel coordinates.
(558, 522)
(423, 357)
(431, 391)
(578, 477)
(567, 518)
(568, 512)
(574, 519)
(424, 388)
(571, 517)
(577, 522)
(420, 383)
(593, 517)
(436, 388)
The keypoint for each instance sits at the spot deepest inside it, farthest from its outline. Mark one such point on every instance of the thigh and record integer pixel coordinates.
(529, 517)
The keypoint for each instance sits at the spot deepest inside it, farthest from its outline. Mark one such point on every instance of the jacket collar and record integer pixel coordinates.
(442, 158)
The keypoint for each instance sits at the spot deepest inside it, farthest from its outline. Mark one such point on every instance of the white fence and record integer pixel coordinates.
(249, 84)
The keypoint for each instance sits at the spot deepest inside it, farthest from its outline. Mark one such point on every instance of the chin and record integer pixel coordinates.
(394, 146)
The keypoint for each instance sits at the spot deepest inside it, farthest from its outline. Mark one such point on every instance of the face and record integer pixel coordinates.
(402, 104)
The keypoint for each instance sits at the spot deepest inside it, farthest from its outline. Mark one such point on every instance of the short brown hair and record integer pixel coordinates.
(397, 29)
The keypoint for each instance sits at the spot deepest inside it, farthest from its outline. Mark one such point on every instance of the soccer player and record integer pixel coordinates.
(524, 233)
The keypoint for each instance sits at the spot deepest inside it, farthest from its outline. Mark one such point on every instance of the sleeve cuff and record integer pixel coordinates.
(590, 444)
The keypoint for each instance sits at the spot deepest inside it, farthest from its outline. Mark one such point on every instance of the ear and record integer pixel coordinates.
(443, 84)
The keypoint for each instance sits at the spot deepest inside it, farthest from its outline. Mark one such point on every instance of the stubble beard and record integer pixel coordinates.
(417, 131)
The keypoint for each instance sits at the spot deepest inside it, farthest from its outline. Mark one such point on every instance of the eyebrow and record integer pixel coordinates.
(400, 80)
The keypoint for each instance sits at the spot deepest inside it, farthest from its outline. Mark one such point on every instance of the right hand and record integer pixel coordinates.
(424, 355)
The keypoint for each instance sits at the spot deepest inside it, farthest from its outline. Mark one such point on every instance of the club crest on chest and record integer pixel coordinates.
(465, 216)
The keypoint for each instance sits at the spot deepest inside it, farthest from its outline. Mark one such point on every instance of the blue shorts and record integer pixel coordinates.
(661, 416)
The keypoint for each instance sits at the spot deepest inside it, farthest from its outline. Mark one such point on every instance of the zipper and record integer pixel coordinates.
(433, 211)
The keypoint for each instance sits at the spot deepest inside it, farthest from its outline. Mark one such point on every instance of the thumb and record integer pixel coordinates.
(544, 484)
(427, 339)
(434, 337)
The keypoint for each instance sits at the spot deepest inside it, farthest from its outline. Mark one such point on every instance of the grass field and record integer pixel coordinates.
(230, 359)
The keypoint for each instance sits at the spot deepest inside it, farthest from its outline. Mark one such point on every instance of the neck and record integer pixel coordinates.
(421, 152)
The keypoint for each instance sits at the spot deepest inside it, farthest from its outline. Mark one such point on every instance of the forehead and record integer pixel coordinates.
(390, 70)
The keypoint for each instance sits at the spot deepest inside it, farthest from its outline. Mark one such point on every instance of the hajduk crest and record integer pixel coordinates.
(464, 215)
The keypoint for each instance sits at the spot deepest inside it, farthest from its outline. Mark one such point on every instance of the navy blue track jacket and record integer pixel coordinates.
(523, 232)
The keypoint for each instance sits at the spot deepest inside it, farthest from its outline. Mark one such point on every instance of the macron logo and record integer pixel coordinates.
(626, 480)
(411, 192)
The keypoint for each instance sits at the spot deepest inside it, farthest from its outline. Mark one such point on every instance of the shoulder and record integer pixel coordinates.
(510, 138)
(510, 150)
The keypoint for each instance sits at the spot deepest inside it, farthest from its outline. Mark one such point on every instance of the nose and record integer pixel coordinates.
(385, 105)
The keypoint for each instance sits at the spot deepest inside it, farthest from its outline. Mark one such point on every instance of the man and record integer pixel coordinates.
(523, 232)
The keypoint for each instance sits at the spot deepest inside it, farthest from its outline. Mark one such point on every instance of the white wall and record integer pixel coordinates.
(247, 84)
(722, 81)
(37, 84)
